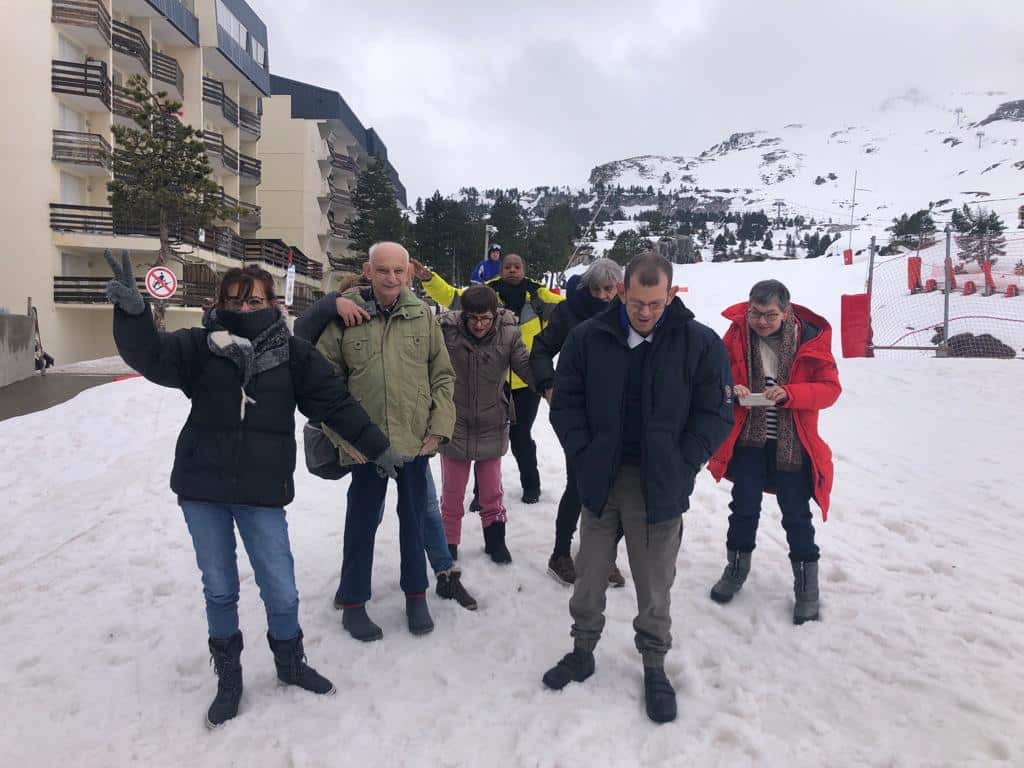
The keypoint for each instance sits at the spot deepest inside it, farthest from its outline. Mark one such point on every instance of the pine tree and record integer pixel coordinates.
(447, 238)
(377, 218)
(627, 245)
(161, 175)
(550, 246)
(512, 229)
(980, 235)
(768, 245)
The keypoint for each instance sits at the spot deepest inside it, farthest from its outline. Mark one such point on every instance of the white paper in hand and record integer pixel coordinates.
(755, 400)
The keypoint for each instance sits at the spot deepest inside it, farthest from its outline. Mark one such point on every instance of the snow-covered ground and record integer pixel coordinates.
(916, 661)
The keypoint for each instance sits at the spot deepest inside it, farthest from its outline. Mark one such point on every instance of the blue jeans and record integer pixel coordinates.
(365, 496)
(434, 540)
(264, 532)
(753, 470)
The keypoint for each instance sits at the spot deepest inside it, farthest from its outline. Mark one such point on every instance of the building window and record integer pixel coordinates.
(259, 53)
(230, 24)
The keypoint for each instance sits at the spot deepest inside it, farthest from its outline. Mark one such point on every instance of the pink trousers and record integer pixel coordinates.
(454, 476)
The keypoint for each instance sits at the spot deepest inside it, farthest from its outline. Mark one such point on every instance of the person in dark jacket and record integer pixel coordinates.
(485, 347)
(585, 296)
(643, 397)
(489, 268)
(783, 351)
(233, 465)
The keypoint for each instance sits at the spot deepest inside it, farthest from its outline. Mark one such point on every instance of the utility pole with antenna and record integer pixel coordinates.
(778, 216)
(853, 205)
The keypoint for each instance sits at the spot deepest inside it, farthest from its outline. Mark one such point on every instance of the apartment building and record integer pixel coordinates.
(313, 148)
(64, 64)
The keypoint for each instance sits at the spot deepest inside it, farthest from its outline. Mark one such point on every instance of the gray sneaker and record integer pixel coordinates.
(805, 589)
(733, 576)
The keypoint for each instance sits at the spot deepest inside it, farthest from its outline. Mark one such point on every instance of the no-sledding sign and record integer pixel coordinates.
(161, 283)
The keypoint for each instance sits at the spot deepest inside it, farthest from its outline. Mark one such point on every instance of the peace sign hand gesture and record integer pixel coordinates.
(122, 290)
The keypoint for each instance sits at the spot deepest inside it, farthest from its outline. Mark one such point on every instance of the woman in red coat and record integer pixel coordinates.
(780, 353)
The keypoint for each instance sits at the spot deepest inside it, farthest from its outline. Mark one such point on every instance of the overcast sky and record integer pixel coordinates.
(534, 92)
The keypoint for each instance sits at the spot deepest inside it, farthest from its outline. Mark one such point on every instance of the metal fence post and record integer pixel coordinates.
(871, 267)
(943, 349)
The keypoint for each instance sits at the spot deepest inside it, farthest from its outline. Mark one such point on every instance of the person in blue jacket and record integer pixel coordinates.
(489, 268)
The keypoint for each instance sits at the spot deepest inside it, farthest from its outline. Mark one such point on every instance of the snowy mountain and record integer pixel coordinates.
(912, 151)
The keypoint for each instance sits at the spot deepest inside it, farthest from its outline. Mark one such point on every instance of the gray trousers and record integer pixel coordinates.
(652, 551)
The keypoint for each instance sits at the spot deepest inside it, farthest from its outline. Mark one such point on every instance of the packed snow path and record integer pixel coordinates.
(916, 661)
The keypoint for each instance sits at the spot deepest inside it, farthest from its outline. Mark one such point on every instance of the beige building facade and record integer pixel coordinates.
(65, 64)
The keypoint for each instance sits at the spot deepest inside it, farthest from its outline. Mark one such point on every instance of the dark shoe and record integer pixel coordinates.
(531, 496)
(359, 625)
(805, 589)
(562, 569)
(338, 602)
(659, 695)
(494, 543)
(418, 615)
(615, 577)
(226, 656)
(292, 669)
(574, 667)
(474, 505)
(449, 587)
(733, 576)
(453, 550)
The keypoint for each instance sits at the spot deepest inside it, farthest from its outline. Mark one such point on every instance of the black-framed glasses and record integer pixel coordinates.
(483, 320)
(253, 302)
(771, 316)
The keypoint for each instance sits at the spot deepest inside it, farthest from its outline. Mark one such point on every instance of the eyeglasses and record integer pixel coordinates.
(484, 320)
(771, 317)
(253, 302)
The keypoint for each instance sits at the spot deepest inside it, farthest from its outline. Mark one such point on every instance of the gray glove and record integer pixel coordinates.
(389, 462)
(122, 290)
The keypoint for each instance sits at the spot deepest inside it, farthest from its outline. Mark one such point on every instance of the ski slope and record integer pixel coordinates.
(916, 661)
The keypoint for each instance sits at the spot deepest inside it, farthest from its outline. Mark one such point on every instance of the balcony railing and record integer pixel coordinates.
(338, 229)
(213, 93)
(167, 70)
(131, 42)
(275, 253)
(124, 104)
(91, 14)
(250, 168)
(339, 195)
(81, 148)
(101, 220)
(251, 217)
(215, 146)
(250, 122)
(343, 162)
(89, 79)
(92, 290)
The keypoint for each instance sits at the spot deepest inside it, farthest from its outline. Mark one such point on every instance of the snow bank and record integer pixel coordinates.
(915, 663)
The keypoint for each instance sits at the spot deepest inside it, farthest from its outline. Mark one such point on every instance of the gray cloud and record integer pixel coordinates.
(537, 92)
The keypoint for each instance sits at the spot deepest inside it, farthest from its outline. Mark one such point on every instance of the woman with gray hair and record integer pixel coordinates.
(585, 296)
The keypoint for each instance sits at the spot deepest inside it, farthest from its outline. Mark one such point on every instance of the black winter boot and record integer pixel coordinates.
(359, 625)
(494, 543)
(805, 589)
(226, 656)
(531, 495)
(449, 586)
(418, 614)
(659, 695)
(292, 669)
(574, 667)
(733, 576)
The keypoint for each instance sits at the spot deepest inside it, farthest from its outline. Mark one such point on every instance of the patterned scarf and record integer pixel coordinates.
(268, 349)
(788, 451)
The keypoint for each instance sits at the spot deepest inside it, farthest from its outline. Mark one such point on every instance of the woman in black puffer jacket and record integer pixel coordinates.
(585, 296)
(235, 457)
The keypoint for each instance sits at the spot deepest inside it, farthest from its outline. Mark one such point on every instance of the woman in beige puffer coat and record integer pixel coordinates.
(485, 347)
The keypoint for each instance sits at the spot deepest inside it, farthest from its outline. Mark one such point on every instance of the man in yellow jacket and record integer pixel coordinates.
(532, 304)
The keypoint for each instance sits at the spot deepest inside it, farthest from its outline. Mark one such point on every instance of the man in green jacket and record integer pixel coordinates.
(397, 366)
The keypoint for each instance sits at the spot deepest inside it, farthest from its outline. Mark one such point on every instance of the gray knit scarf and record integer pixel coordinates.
(267, 350)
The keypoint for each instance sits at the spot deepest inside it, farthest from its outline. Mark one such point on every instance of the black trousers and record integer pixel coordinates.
(526, 402)
(568, 514)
